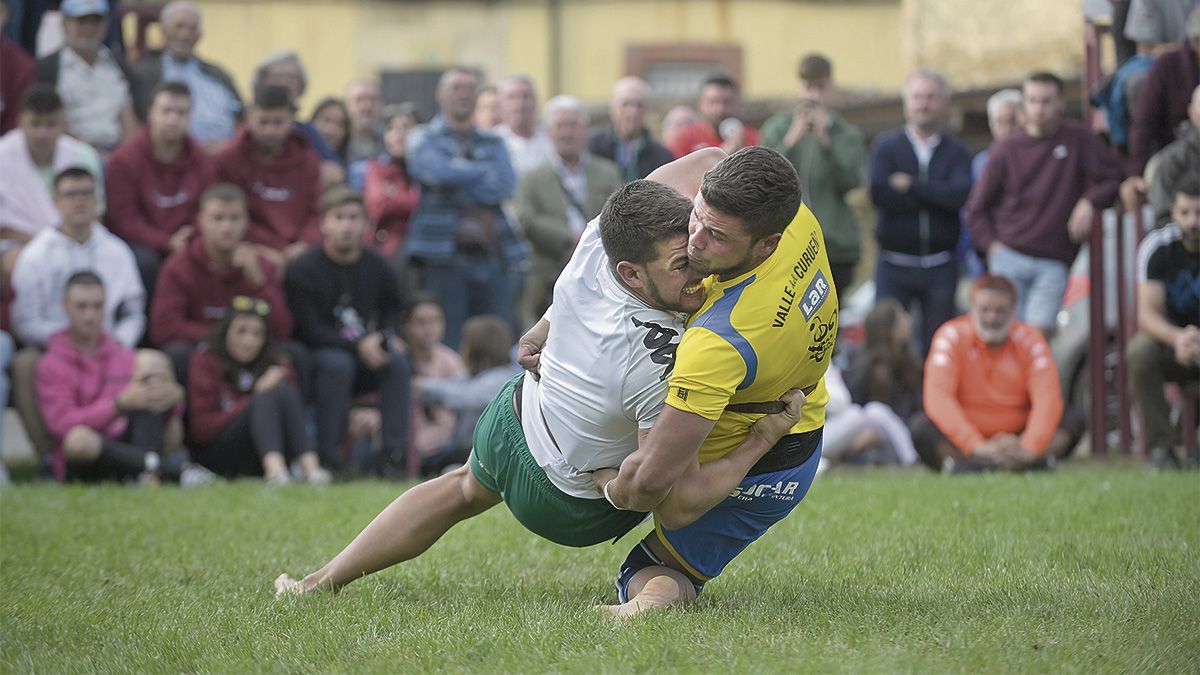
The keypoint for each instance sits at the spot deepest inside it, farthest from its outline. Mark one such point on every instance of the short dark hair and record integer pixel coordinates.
(720, 80)
(72, 172)
(1043, 77)
(756, 184)
(222, 192)
(41, 99)
(82, 278)
(638, 216)
(339, 195)
(1189, 184)
(172, 88)
(815, 67)
(273, 97)
(420, 298)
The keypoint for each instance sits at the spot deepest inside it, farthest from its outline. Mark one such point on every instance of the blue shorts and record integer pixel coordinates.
(706, 546)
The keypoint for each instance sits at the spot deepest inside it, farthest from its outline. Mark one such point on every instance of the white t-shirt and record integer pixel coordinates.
(603, 372)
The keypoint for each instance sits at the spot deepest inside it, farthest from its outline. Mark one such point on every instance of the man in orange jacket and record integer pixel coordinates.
(992, 396)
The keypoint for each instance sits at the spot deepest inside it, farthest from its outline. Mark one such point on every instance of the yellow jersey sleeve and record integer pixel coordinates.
(707, 372)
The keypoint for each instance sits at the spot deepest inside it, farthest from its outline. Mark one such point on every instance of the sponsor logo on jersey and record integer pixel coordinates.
(815, 295)
(780, 490)
(661, 341)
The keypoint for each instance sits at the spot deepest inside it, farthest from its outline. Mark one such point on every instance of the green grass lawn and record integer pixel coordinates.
(1093, 569)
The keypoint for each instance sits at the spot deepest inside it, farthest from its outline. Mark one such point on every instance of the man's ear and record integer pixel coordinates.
(631, 274)
(766, 245)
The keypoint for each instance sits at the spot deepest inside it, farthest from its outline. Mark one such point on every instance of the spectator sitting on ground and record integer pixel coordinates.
(347, 305)
(390, 194)
(528, 145)
(1037, 200)
(92, 81)
(112, 414)
(199, 281)
(78, 243)
(155, 180)
(277, 169)
(364, 107)
(920, 179)
(332, 121)
(830, 154)
(626, 140)
(424, 328)
(31, 155)
(283, 69)
(487, 109)
(884, 377)
(1163, 100)
(246, 415)
(556, 200)
(461, 242)
(1174, 164)
(1167, 346)
(717, 125)
(992, 397)
(16, 75)
(860, 434)
(487, 352)
(216, 105)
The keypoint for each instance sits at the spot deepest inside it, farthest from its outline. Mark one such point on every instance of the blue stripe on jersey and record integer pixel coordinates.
(717, 320)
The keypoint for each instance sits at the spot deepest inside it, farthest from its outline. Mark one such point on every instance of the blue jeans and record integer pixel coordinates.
(469, 285)
(930, 289)
(6, 352)
(339, 375)
(1040, 284)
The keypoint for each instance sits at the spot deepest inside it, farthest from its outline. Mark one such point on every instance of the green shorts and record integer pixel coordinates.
(502, 463)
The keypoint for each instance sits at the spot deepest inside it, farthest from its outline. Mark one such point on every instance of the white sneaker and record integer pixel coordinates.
(194, 475)
(319, 477)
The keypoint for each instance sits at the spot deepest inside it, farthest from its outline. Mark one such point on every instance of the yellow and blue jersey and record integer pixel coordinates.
(758, 335)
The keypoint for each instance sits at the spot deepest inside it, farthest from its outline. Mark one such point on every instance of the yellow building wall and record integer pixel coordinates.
(981, 43)
(341, 40)
(872, 44)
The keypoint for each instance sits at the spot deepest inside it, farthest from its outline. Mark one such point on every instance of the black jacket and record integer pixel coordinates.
(650, 156)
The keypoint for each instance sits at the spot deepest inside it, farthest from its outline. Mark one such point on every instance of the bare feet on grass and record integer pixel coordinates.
(658, 594)
(285, 585)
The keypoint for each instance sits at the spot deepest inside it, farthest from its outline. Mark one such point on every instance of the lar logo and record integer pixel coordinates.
(681, 393)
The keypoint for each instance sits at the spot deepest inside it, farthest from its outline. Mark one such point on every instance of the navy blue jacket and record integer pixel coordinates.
(925, 219)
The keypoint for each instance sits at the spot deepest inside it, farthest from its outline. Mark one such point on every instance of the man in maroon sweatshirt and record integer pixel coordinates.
(279, 172)
(1038, 197)
(155, 180)
(1162, 101)
(199, 281)
(16, 74)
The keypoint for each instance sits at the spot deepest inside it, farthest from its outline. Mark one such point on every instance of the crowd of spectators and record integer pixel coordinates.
(195, 285)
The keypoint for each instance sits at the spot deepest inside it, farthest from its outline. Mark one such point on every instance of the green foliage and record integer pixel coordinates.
(1087, 570)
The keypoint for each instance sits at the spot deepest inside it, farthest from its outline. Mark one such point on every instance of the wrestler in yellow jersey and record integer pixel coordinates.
(758, 335)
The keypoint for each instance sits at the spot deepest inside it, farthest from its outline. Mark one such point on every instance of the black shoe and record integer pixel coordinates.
(1162, 459)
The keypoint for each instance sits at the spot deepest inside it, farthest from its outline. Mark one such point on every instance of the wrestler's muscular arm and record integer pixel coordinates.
(700, 487)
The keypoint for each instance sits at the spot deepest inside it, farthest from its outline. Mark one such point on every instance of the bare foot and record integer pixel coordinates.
(285, 585)
(659, 593)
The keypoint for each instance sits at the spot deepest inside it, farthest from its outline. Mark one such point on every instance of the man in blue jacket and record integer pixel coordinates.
(461, 244)
(920, 178)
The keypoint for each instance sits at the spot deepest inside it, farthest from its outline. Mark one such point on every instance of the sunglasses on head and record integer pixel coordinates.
(243, 303)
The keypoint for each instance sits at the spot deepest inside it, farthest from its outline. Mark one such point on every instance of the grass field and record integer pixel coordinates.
(1093, 569)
